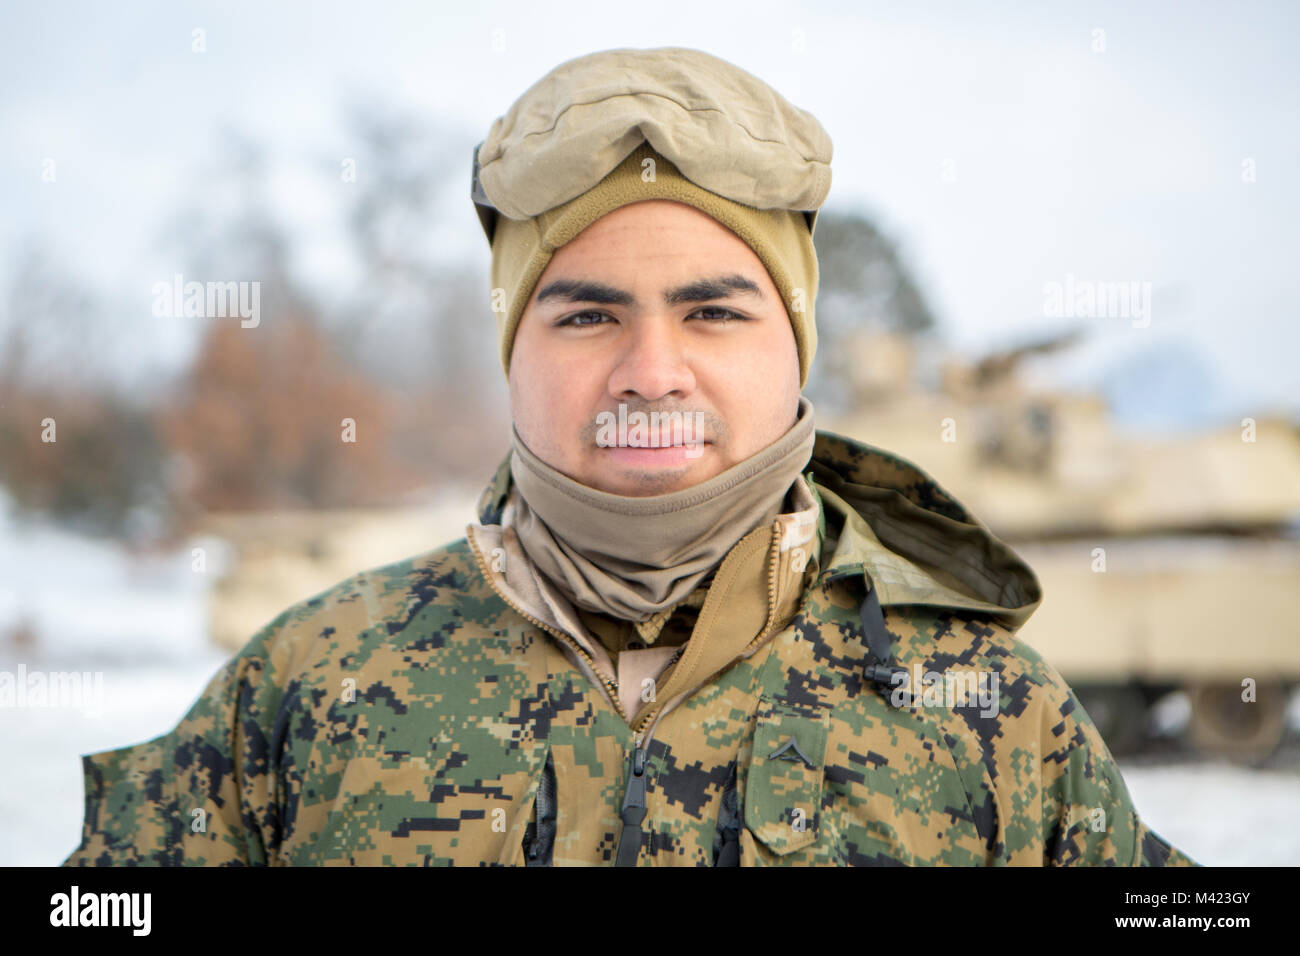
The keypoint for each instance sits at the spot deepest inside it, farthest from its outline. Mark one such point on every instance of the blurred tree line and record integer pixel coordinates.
(255, 421)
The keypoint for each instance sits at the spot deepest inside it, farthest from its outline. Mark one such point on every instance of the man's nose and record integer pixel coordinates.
(653, 362)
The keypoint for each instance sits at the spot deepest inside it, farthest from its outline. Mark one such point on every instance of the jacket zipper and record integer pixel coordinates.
(634, 793)
(610, 686)
(774, 559)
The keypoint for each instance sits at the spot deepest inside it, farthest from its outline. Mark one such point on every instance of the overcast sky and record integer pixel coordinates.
(1005, 145)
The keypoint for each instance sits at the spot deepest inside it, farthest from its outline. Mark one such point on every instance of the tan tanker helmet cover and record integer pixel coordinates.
(724, 129)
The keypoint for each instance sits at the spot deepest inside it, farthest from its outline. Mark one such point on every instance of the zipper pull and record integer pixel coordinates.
(634, 810)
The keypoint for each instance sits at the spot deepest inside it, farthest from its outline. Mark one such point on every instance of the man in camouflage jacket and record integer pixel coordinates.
(831, 678)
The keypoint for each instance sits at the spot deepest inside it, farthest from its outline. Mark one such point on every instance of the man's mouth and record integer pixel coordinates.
(663, 456)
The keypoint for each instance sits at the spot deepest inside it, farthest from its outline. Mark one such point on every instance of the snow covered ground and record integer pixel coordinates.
(140, 625)
(1218, 814)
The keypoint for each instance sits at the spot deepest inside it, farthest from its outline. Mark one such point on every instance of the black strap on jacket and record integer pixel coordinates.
(726, 841)
(629, 840)
(880, 667)
(539, 835)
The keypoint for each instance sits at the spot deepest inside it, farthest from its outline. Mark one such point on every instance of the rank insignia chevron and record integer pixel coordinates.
(782, 752)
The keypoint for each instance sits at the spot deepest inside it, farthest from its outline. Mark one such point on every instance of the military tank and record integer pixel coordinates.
(1170, 564)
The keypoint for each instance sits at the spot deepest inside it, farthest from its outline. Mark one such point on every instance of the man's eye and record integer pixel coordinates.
(726, 314)
(573, 320)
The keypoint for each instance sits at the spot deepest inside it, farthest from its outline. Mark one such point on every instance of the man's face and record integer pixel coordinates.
(661, 308)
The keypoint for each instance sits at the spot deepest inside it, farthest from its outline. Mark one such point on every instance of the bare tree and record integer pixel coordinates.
(864, 287)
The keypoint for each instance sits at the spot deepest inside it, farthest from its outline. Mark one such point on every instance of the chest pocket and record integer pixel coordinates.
(783, 792)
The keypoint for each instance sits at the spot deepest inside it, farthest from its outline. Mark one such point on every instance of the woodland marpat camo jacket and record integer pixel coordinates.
(414, 714)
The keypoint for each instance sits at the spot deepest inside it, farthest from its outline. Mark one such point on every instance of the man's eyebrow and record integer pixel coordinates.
(722, 287)
(700, 290)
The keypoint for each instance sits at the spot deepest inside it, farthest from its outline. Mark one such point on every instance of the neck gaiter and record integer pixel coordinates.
(631, 557)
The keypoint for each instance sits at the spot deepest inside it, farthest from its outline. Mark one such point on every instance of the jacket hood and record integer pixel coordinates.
(890, 521)
(884, 518)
